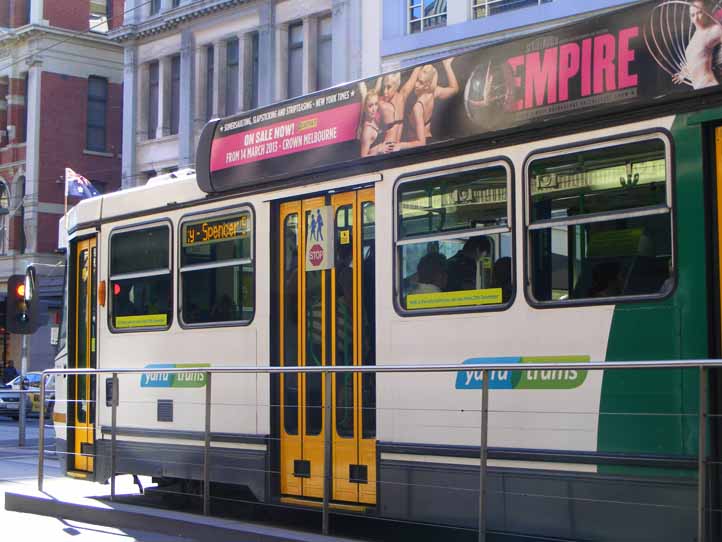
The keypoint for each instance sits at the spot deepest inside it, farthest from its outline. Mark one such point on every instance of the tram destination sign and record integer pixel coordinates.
(214, 231)
(651, 52)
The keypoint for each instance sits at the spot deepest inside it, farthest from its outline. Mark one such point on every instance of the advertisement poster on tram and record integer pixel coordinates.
(649, 53)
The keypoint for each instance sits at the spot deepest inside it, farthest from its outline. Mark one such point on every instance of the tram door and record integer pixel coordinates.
(82, 388)
(328, 318)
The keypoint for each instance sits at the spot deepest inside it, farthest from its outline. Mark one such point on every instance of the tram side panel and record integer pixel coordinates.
(548, 437)
(161, 418)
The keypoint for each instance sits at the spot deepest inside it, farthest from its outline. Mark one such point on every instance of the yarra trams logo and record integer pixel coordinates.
(173, 380)
(559, 379)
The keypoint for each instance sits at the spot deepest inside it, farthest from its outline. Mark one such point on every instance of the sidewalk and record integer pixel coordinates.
(83, 513)
(18, 476)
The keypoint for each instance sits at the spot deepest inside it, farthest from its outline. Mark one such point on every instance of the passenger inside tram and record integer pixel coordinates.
(466, 266)
(475, 266)
(431, 274)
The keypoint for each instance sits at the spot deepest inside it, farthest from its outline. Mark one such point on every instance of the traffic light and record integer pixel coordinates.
(21, 315)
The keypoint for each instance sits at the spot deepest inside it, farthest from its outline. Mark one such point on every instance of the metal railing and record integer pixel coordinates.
(327, 372)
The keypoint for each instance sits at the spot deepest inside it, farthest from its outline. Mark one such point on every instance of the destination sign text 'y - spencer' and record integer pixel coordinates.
(213, 231)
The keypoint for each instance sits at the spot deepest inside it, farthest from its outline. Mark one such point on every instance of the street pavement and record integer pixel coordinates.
(18, 473)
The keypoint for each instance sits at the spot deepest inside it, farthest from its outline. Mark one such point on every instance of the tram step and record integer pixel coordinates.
(300, 501)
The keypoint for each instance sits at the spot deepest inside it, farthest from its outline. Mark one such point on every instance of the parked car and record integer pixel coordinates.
(10, 403)
(33, 386)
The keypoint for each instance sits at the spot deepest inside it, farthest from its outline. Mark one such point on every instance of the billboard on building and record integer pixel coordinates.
(654, 52)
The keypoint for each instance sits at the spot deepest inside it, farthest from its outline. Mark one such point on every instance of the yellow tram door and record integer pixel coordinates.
(82, 388)
(327, 318)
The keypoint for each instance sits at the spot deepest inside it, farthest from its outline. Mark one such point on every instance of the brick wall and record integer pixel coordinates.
(16, 116)
(18, 13)
(63, 121)
(118, 8)
(48, 231)
(3, 113)
(4, 13)
(70, 14)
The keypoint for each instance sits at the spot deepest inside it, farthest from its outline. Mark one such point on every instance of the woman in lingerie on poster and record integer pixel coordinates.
(427, 90)
(697, 67)
(393, 103)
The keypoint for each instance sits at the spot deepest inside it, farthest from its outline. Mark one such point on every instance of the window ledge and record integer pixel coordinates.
(98, 153)
(143, 142)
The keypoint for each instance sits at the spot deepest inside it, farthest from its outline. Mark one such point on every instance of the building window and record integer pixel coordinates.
(152, 99)
(140, 278)
(295, 60)
(251, 80)
(324, 62)
(232, 76)
(454, 241)
(600, 222)
(210, 58)
(154, 7)
(99, 16)
(176, 3)
(426, 14)
(485, 8)
(97, 111)
(175, 67)
(216, 271)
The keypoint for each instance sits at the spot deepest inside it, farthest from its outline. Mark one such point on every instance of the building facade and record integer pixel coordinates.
(417, 31)
(60, 106)
(187, 61)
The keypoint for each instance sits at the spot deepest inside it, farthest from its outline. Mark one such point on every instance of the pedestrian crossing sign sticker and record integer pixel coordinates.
(319, 239)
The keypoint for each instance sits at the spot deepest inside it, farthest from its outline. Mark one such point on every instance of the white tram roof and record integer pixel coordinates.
(160, 191)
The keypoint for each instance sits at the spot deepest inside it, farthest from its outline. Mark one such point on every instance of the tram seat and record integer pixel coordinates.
(584, 286)
(647, 275)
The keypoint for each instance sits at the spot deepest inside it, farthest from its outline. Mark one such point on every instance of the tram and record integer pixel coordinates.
(551, 198)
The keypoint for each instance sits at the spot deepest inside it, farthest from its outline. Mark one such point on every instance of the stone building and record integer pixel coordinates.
(60, 106)
(187, 61)
(416, 31)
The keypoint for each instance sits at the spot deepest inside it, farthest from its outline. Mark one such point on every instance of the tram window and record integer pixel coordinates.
(600, 223)
(454, 244)
(216, 269)
(140, 279)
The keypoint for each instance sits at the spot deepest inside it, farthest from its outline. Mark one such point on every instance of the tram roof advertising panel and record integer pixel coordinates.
(648, 53)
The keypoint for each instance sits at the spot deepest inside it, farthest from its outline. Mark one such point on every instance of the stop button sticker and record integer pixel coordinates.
(320, 236)
(315, 255)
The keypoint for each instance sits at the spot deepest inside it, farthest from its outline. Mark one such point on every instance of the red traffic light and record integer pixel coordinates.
(20, 290)
(116, 289)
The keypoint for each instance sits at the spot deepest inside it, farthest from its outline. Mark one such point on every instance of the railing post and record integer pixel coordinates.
(327, 467)
(483, 454)
(113, 424)
(207, 450)
(41, 434)
(701, 458)
(23, 402)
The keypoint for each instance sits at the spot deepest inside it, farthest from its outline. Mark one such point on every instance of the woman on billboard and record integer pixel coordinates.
(698, 64)
(393, 103)
(370, 133)
(418, 124)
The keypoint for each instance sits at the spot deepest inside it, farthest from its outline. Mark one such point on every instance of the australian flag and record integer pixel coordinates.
(79, 186)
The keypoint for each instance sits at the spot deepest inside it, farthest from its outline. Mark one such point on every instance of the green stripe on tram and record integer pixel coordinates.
(654, 411)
